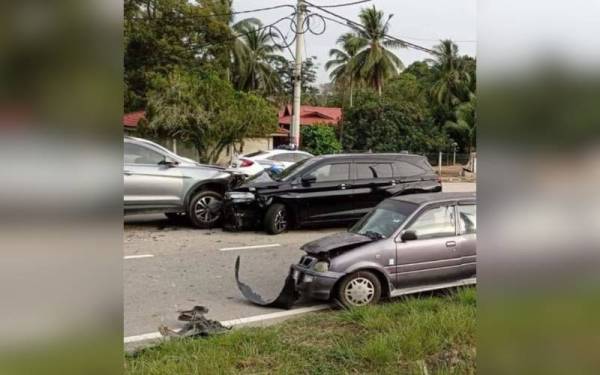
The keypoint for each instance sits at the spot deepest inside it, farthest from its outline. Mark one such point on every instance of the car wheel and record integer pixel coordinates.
(359, 289)
(204, 209)
(276, 219)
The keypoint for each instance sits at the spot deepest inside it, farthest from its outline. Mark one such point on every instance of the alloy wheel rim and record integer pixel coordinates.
(360, 291)
(203, 209)
(281, 220)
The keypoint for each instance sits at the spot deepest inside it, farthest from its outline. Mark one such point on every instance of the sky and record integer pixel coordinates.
(422, 22)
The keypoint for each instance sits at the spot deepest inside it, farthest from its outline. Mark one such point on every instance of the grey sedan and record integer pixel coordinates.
(406, 244)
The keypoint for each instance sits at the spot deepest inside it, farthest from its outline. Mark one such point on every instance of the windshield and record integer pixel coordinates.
(290, 172)
(384, 220)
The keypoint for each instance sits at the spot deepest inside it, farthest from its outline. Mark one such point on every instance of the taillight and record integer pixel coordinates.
(246, 162)
(439, 179)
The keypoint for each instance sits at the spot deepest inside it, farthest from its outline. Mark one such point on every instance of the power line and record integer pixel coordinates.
(344, 4)
(226, 14)
(355, 25)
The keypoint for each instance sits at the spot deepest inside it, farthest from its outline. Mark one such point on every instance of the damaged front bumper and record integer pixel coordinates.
(242, 211)
(302, 281)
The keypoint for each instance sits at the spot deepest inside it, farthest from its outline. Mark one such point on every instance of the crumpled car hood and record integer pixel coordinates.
(337, 241)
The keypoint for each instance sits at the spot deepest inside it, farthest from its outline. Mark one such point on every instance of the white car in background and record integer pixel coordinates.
(256, 162)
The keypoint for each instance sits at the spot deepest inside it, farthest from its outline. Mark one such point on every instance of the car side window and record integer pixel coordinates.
(136, 154)
(467, 219)
(435, 222)
(406, 169)
(373, 170)
(331, 172)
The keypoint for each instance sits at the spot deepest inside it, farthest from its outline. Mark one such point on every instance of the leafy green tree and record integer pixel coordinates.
(285, 70)
(204, 110)
(320, 139)
(451, 79)
(375, 62)
(343, 62)
(254, 59)
(463, 130)
(379, 124)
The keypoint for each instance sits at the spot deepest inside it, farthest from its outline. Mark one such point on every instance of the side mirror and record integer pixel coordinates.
(307, 180)
(408, 235)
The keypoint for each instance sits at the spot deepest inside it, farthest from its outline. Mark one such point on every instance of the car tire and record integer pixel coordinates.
(202, 211)
(276, 219)
(360, 288)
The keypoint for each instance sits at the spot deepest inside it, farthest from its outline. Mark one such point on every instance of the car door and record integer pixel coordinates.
(370, 183)
(329, 196)
(466, 245)
(433, 256)
(148, 182)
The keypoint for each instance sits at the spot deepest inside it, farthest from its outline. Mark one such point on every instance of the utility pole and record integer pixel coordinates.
(295, 127)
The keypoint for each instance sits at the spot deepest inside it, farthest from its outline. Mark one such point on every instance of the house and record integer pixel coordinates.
(309, 116)
(131, 120)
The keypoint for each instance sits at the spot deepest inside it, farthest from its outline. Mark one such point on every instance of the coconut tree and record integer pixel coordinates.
(342, 62)
(375, 62)
(254, 54)
(451, 78)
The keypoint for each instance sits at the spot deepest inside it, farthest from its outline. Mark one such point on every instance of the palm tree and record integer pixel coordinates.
(254, 54)
(344, 71)
(451, 79)
(375, 62)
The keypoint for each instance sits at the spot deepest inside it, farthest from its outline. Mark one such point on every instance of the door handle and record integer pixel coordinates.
(343, 186)
(127, 173)
(451, 244)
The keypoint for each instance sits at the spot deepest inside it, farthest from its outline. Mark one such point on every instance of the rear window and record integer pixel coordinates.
(257, 153)
(413, 168)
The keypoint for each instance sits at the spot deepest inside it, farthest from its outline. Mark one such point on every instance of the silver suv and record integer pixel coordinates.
(157, 180)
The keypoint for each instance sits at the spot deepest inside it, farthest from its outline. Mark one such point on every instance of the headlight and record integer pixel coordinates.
(239, 195)
(321, 267)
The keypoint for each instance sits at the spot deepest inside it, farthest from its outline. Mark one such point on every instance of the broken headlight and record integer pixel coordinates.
(238, 195)
(321, 267)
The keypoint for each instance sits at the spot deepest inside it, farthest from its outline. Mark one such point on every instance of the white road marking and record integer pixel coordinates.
(249, 247)
(138, 256)
(237, 322)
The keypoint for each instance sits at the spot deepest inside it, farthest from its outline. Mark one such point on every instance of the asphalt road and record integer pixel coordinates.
(171, 267)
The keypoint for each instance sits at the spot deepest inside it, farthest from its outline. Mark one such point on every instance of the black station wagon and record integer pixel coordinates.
(325, 190)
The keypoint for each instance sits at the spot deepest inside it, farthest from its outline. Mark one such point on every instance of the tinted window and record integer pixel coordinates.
(467, 219)
(373, 170)
(332, 172)
(135, 154)
(253, 154)
(435, 222)
(289, 158)
(300, 156)
(406, 169)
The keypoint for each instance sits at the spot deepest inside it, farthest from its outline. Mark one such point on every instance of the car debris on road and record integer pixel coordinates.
(286, 298)
(197, 325)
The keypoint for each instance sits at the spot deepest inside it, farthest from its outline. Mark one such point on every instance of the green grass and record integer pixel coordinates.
(432, 334)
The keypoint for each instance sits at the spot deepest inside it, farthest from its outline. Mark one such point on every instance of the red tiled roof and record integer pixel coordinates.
(312, 115)
(131, 120)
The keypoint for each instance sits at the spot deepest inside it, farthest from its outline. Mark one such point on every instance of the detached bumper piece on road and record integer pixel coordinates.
(300, 281)
(286, 298)
(197, 325)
